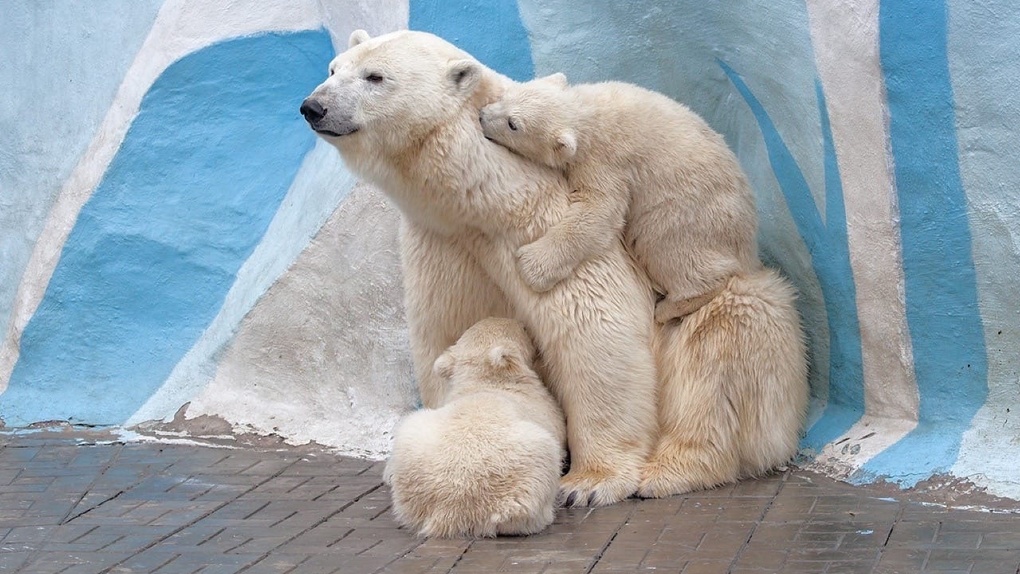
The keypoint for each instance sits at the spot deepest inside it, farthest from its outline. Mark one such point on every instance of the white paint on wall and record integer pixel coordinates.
(181, 27)
(845, 37)
(865, 439)
(375, 16)
(324, 356)
(321, 183)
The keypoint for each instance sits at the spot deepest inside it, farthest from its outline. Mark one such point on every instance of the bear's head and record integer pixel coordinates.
(384, 94)
(493, 352)
(534, 119)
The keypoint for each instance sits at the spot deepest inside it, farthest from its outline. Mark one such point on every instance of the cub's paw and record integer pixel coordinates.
(669, 308)
(588, 488)
(538, 267)
(666, 311)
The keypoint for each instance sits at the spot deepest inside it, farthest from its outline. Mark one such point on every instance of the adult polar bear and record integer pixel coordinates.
(402, 109)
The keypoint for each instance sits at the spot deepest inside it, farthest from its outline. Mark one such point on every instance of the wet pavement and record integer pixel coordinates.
(84, 501)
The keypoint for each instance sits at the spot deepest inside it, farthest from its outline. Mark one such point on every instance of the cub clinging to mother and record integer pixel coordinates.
(632, 156)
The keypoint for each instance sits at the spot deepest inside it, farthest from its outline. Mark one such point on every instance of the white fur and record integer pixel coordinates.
(488, 460)
(632, 155)
(734, 388)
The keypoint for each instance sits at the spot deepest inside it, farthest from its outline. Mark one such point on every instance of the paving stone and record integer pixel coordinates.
(70, 504)
(999, 540)
(11, 560)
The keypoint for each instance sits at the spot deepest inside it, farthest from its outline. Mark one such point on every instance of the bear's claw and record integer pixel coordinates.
(569, 502)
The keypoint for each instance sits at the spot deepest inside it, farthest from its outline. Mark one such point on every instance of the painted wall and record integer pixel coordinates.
(186, 247)
(172, 234)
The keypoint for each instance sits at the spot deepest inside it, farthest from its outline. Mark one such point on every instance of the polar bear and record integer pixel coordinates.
(402, 109)
(633, 155)
(488, 461)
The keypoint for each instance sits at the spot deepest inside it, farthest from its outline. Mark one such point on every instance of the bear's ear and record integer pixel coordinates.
(357, 37)
(464, 75)
(559, 79)
(566, 144)
(443, 367)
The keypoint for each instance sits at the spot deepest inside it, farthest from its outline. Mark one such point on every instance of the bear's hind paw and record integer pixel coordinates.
(589, 489)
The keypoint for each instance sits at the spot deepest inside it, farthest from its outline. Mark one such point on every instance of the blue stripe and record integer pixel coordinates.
(47, 44)
(489, 30)
(202, 170)
(830, 257)
(946, 331)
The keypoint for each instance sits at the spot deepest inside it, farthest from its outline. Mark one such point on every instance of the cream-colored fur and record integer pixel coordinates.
(734, 388)
(488, 460)
(636, 156)
(402, 109)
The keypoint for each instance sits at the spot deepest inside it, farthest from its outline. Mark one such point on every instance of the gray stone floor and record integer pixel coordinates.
(76, 502)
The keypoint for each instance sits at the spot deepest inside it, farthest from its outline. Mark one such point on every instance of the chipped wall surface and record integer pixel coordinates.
(172, 234)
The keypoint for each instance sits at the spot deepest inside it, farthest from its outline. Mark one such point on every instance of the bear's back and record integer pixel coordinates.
(634, 124)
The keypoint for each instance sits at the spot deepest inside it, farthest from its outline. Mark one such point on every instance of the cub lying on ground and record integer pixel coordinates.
(488, 460)
(632, 156)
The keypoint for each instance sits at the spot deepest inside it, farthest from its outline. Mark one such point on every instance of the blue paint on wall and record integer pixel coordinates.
(830, 256)
(62, 64)
(947, 336)
(202, 170)
(489, 30)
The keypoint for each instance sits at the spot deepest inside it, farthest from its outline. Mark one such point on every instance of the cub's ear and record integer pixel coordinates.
(566, 144)
(357, 37)
(464, 75)
(443, 367)
(559, 79)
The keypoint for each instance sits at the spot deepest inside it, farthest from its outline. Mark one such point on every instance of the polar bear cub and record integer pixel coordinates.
(488, 460)
(635, 157)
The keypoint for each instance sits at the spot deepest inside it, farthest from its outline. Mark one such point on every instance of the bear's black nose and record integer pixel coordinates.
(312, 110)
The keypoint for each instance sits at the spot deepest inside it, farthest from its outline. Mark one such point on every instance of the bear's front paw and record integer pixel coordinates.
(538, 268)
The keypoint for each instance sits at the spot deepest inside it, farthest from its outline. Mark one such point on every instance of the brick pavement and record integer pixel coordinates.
(74, 502)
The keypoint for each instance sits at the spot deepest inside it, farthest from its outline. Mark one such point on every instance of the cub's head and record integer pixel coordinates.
(388, 90)
(535, 120)
(492, 351)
